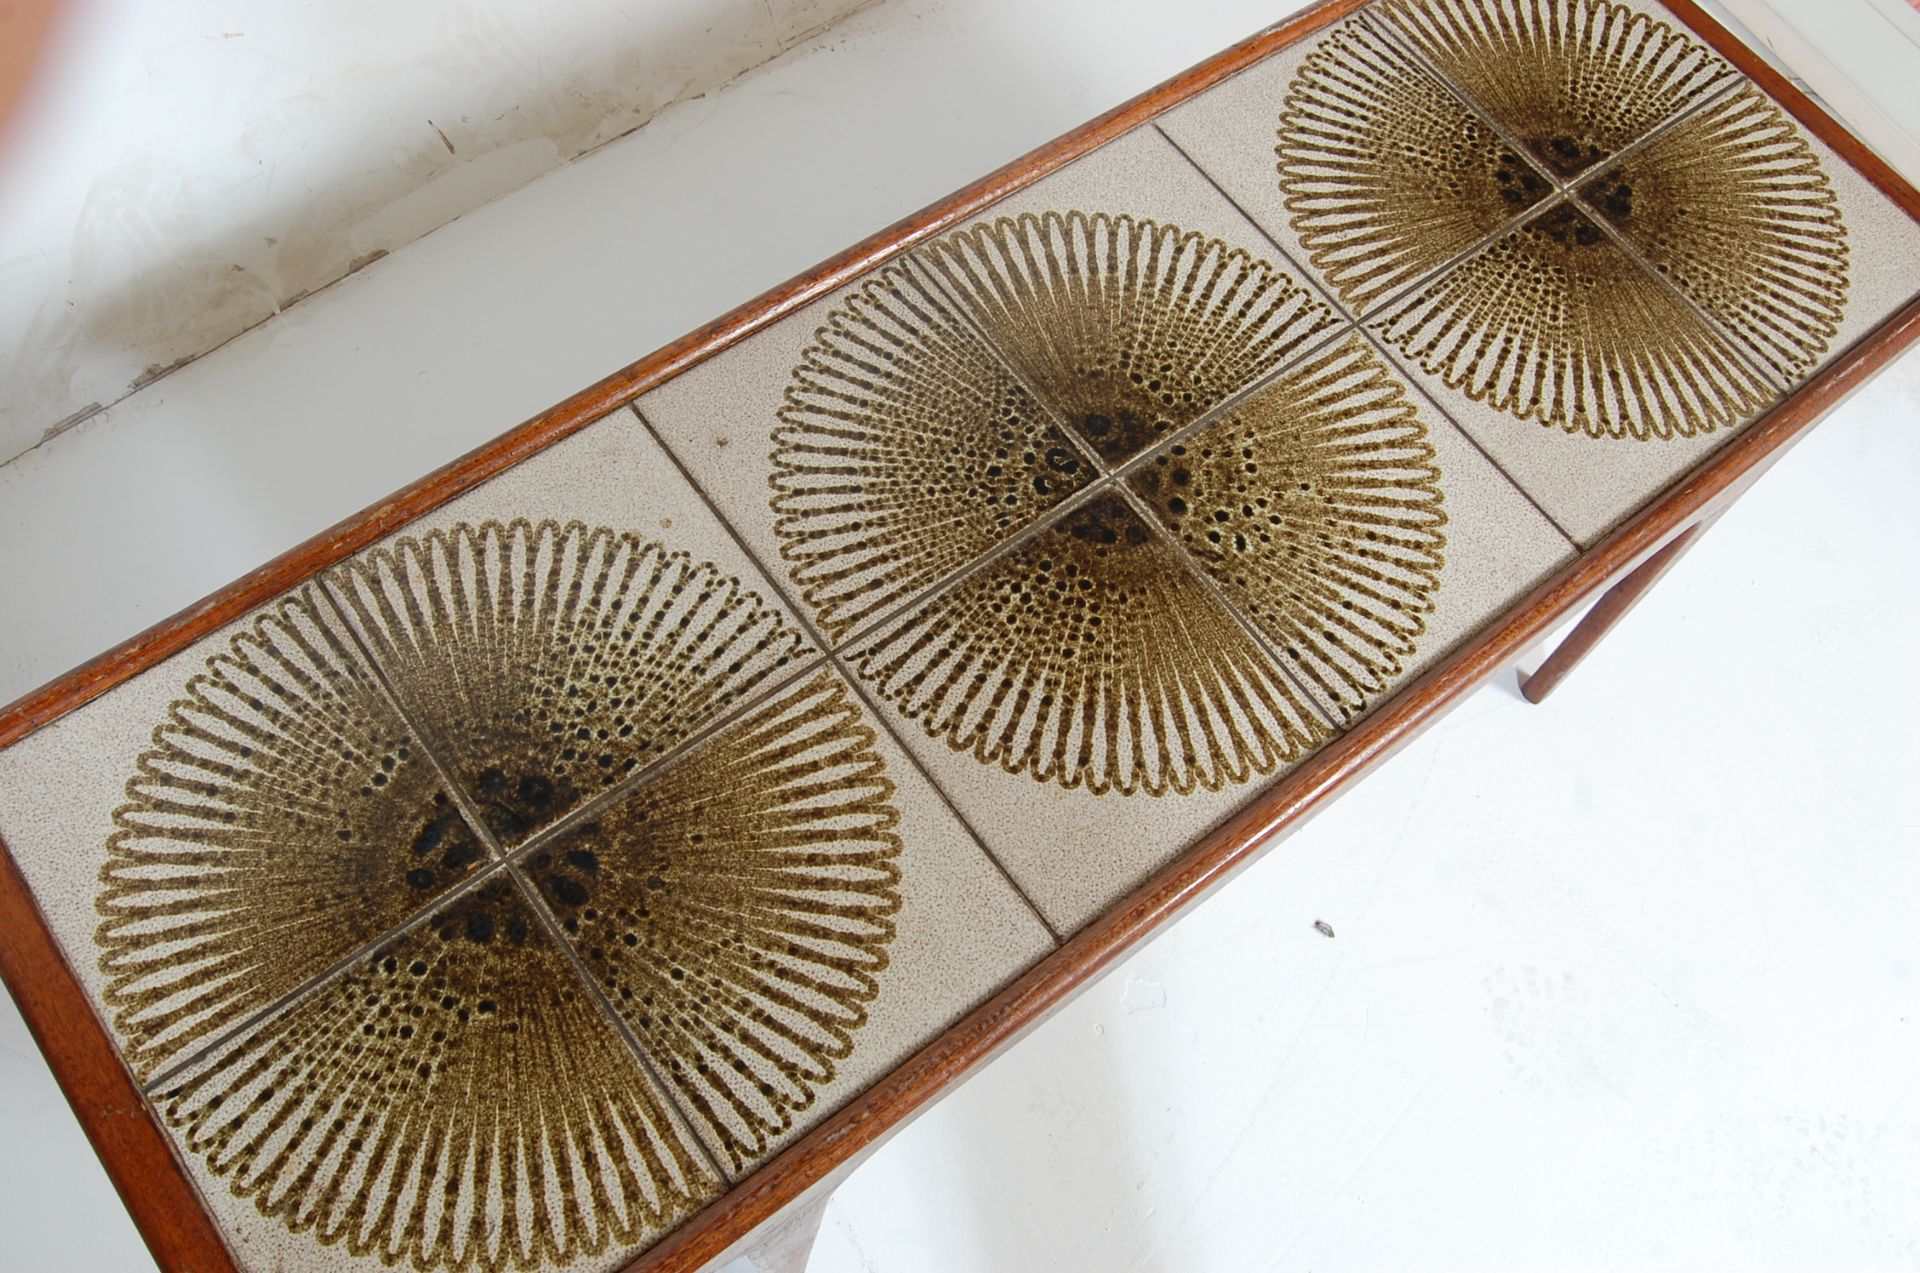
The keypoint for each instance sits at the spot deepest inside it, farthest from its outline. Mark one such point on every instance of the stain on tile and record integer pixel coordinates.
(454, 1101)
(904, 450)
(783, 914)
(1572, 81)
(1556, 324)
(1317, 507)
(545, 660)
(1127, 329)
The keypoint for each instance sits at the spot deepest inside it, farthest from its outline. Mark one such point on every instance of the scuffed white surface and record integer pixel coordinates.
(1624, 982)
(187, 169)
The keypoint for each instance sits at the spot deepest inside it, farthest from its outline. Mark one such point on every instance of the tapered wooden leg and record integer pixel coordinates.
(1606, 612)
(787, 1244)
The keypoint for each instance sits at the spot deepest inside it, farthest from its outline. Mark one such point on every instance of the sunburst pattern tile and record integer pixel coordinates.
(453, 1100)
(495, 899)
(554, 632)
(784, 915)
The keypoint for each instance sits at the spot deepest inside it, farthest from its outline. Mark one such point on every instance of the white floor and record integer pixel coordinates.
(1624, 982)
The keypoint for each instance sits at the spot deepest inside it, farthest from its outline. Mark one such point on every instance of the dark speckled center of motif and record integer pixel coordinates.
(457, 1096)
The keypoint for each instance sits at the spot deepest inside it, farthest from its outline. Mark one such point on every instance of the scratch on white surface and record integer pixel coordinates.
(1339, 1191)
(1142, 995)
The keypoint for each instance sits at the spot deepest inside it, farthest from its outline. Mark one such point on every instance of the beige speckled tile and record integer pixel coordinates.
(1573, 81)
(873, 444)
(1357, 159)
(1359, 530)
(455, 1099)
(1089, 705)
(226, 826)
(866, 447)
(1591, 383)
(784, 915)
(1129, 294)
(1766, 228)
(556, 629)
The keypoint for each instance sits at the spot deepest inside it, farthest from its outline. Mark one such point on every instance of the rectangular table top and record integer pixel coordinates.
(578, 856)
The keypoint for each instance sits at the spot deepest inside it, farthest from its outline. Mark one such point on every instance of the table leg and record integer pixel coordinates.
(1609, 610)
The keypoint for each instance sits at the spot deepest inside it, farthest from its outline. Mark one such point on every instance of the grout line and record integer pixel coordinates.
(834, 661)
(153, 1086)
(1726, 335)
(1334, 716)
(1340, 306)
(599, 803)
(455, 790)
(439, 901)
(1406, 377)
(675, 1113)
(964, 312)
(926, 774)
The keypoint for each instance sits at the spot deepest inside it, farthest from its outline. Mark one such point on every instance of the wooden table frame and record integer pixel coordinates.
(770, 1214)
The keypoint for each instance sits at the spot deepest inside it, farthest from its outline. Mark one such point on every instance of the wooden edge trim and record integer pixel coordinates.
(136, 1151)
(171, 635)
(1048, 985)
(1850, 148)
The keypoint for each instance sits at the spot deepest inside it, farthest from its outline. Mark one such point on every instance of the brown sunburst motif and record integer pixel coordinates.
(1555, 322)
(455, 1100)
(737, 911)
(458, 1099)
(544, 662)
(1572, 80)
(1092, 656)
(1732, 206)
(1316, 506)
(1386, 174)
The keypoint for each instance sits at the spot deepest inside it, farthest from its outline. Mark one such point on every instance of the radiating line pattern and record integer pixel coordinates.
(1127, 329)
(453, 1101)
(1571, 80)
(1316, 506)
(282, 818)
(459, 1098)
(905, 449)
(737, 909)
(1732, 206)
(1386, 175)
(544, 662)
(1092, 657)
(1556, 323)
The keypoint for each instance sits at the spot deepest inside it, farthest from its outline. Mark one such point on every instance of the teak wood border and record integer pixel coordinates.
(139, 1155)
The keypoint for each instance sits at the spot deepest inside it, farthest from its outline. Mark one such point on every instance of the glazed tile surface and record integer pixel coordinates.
(784, 915)
(452, 1100)
(1360, 530)
(497, 898)
(1597, 246)
(555, 631)
(227, 826)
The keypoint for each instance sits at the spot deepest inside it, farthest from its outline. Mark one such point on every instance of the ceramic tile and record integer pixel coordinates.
(1129, 294)
(1358, 160)
(784, 915)
(560, 627)
(1360, 531)
(455, 1099)
(1571, 81)
(1088, 703)
(1764, 227)
(226, 826)
(866, 447)
(1586, 378)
